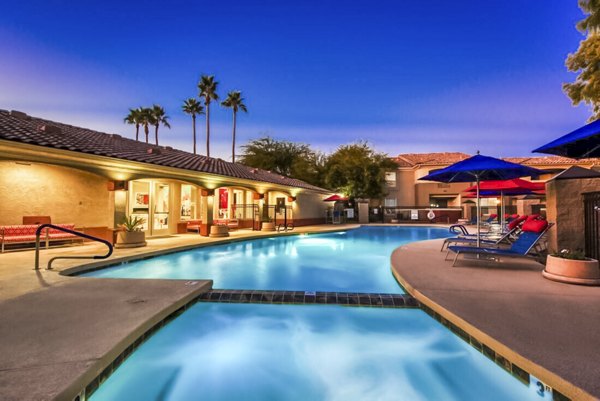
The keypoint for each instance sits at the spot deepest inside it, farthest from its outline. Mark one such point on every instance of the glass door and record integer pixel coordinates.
(139, 202)
(160, 215)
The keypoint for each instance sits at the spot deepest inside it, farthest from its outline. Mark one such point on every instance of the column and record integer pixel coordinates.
(207, 198)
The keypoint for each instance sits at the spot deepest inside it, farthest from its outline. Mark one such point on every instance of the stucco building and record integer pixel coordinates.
(406, 192)
(94, 179)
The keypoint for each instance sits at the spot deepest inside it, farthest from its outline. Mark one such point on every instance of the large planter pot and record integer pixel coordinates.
(219, 231)
(130, 239)
(572, 271)
(268, 226)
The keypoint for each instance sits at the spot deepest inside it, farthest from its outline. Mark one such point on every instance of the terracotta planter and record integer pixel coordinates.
(572, 271)
(268, 226)
(130, 239)
(219, 231)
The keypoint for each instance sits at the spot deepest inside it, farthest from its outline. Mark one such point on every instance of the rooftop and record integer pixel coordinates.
(447, 158)
(20, 127)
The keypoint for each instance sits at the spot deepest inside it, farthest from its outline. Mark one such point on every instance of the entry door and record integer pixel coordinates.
(160, 209)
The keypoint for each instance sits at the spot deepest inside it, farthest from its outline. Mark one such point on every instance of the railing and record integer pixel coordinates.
(38, 232)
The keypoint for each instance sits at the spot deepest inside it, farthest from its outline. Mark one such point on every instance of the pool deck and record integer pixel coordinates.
(550, 329)
(59, 332)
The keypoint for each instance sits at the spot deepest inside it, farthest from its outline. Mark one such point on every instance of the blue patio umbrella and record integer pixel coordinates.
(579, 144)
(480, 168)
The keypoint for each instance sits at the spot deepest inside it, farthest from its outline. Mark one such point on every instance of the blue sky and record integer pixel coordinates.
(407, 76)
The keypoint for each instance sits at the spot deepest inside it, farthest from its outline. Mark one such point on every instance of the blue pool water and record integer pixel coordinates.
(354, 260)
(320, 352)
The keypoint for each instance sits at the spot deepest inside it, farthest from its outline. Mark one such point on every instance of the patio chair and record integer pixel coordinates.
(485, 239)
(532, 233)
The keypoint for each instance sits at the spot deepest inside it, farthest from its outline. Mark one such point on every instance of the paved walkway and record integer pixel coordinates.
(552, 328)
(59, 332)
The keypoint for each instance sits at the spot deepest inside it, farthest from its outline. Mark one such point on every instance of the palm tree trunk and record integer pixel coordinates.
(146, 131)
(194, 130)
(233, 140)
(156, 134)
(137, 132)
(207, 129)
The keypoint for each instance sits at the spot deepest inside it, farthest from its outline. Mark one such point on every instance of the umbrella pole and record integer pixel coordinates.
(478, 214)
(502, 212)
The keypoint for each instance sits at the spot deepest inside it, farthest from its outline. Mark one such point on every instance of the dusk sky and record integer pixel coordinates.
(407, 76)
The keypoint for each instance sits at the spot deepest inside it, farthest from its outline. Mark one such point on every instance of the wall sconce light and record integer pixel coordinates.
(117, 185)
(291, 199)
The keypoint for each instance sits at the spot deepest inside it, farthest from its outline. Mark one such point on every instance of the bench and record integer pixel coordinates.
(25, 234)
(232, 224)
(194, 225)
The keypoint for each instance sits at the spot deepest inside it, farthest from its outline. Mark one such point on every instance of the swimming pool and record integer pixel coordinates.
(355, 260)
(290, 352)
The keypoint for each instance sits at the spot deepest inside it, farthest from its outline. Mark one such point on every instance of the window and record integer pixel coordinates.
(390, 179)
(390, 202)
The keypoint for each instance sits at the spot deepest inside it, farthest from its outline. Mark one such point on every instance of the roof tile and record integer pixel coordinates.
(27, 129)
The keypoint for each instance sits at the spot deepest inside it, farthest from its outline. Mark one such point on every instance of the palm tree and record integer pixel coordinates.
(158, 117)
(193, 107)
(134, 118)
(146, 119)
(208, 91)
(235, 101)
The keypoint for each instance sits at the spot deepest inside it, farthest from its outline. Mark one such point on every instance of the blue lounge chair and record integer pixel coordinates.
(486, 239)
(521, 248)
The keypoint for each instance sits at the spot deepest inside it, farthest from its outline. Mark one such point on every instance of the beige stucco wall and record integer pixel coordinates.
(564, 206)
(309, 205)
(66, 195)
(405, 184)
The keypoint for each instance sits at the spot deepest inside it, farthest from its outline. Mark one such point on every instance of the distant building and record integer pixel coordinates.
(406, 192)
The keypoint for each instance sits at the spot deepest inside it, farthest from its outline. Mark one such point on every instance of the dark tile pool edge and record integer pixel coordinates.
(93, 385)
(488, 351)
(375, 300)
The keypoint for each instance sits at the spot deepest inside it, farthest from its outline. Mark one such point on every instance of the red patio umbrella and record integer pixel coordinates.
(334, 198)
(515, 186)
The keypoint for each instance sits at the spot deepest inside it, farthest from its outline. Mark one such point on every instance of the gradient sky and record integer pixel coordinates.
(407, 76)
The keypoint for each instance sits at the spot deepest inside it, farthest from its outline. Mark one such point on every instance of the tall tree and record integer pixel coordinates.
(146, 120)
(358, 171)
(192, 107)
(295, 160)
(586, 61)
(208, 91)
(159, 116)
(134, 118)
(235, 102)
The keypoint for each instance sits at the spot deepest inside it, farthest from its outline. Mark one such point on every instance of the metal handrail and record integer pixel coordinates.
(38, 232)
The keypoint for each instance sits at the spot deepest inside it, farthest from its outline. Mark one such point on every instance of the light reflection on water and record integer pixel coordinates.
(278, 352)
(355, 260)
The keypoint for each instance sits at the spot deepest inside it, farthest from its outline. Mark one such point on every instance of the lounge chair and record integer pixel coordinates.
(532, 233)
(485, 239)
(464, 237)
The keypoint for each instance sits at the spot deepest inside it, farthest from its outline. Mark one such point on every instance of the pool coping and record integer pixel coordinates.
(511, 361)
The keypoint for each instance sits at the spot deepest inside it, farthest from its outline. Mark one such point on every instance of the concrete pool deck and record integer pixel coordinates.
(59, 332)
(550, 329)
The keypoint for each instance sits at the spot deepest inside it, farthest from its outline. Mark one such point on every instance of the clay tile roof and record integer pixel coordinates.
(438, 158)
(550, 160)
(19, 127)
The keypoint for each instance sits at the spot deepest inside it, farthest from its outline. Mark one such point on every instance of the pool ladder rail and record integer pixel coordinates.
(38, 233)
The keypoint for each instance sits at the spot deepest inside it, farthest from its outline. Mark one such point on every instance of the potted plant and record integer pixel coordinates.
(220, 229)
(267, 224)
(572, 267)
(131, 234)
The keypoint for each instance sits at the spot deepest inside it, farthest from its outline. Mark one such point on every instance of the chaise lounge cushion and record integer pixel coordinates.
(535, 226)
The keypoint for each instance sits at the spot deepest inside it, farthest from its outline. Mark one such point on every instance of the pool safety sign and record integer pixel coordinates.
(414, 214)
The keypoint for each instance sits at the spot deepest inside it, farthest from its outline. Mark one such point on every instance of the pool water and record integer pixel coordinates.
(319, 352)
(355, 260)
